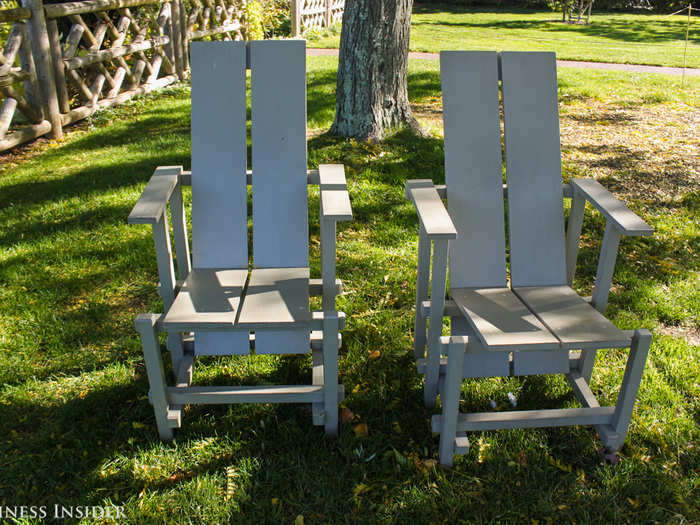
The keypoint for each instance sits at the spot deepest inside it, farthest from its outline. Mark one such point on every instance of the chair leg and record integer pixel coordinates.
(639, 349)
(176, 348)
(146, 326)
(422, 282)
(330, 372)
(437, 308)
(450, 399)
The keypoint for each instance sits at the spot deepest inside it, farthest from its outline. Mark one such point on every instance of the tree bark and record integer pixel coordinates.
(371, 90)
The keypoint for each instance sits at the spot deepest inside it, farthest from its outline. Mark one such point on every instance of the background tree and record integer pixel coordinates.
(371, 90)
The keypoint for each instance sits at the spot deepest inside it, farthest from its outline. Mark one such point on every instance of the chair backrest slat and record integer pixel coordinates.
(473, 167)
(533, 169)
(280, 206)
(219, 214)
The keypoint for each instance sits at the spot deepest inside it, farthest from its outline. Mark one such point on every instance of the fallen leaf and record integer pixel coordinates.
(375, 354)
(346, 415)
(361, 430)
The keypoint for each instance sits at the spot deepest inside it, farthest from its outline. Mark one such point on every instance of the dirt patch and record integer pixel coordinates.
(648, 153)
(690, 333)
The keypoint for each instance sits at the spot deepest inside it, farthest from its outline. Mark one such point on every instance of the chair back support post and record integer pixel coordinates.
(606, 267)
(573, 234)
(182, 245)
(164, 259)
(328, 231)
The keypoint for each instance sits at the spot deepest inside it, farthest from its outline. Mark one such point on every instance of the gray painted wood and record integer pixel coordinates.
(487, 364)
(219, 210)
(209, 299)
(328, 234)
(532, 418)
(164, 258)
(606, 267)
(501, 321)
(146, 327)
(571, 319)
(581, 389)
(422, 277)
(437, 303)
(614, 210)
(332, 177)
(473, 167)
(630, 386)
(318, 414)
(280, 209)
(182, 245)
(213, 395)
(450, 398)
(219, 222)
(573, 235)
(540, 362)
(330, 373)
(478, 361)
(422, 281)
(276, 297)
(280, 206)
(533, 168)
(432, 214)
(335, 205)
(154, 198)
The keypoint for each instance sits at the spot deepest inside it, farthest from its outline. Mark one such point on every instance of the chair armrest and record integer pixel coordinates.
(151, 205)
(335, 201)
(615, 211)
(431, 211)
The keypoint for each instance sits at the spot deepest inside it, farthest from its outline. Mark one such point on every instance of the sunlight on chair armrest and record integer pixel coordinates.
(614, 210)
(151, 205)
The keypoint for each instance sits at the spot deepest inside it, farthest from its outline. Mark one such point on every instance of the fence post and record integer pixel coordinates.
(31, 86)
(184, 44)
(39, 38)
(327, 15)
(296, 17)
(58, 67)
(176, 37)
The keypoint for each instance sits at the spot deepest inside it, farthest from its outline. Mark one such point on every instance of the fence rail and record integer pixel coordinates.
(63, 62)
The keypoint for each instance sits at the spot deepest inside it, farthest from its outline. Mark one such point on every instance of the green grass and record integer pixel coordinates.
(627, 38)
(77, 428)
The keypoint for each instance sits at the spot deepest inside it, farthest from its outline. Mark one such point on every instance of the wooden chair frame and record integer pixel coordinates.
(444, 375)
(164, 190)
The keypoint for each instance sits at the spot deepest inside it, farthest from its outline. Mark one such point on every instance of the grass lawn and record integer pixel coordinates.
(628, 38)
(75, 424)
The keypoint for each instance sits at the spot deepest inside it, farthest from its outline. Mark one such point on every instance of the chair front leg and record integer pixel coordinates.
(450, 401)
(330, 372)
(639, 350)
(146, 326)
(601, 291)
(437, 308)
(422, 283)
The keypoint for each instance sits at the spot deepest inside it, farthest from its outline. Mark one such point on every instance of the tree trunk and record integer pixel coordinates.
(371, 91)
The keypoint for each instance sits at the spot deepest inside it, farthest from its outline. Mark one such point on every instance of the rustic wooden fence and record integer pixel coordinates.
(315, 14)
(63, 62)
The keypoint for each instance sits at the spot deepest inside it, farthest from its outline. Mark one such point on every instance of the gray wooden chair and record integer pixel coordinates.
(217, 305)
(525, 320)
